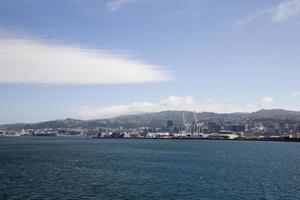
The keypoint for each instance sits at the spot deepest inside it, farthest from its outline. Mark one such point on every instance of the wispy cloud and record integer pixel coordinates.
(171, 103)
(251, 18)
(284, 11)
(191, 9)
(296, 94)
(114, 5)
(24, 60)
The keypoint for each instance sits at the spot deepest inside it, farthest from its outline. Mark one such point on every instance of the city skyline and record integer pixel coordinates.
(90, 59)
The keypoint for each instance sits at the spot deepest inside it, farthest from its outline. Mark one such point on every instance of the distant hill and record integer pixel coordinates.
(159, 119)
(276, 114)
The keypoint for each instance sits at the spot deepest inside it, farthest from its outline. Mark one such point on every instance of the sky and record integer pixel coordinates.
(90, 59)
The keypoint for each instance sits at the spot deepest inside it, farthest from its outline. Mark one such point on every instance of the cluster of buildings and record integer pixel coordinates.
(214, 128)
(45, 132)
(196, 129)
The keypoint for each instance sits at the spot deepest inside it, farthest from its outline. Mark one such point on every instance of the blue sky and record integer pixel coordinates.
(96, 59)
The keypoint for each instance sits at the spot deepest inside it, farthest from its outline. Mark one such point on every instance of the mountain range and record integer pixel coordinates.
(159, 119)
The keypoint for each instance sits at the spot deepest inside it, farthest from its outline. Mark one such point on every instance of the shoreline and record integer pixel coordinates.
(213, 139)
(170, 138)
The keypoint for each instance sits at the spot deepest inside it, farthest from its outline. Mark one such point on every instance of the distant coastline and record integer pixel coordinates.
(265, 139)
(263, 125)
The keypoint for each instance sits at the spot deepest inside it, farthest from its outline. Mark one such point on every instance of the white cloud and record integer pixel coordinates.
(24, 60)
(187, 103)
(265, 103)
(286, 10)
(282, 12)
(171, 103)
(114, 5)
(296, 94)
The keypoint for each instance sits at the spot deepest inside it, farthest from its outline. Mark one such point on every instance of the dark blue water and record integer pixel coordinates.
(74, 168)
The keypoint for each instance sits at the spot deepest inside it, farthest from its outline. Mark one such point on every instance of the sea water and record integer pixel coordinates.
(81, 168)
